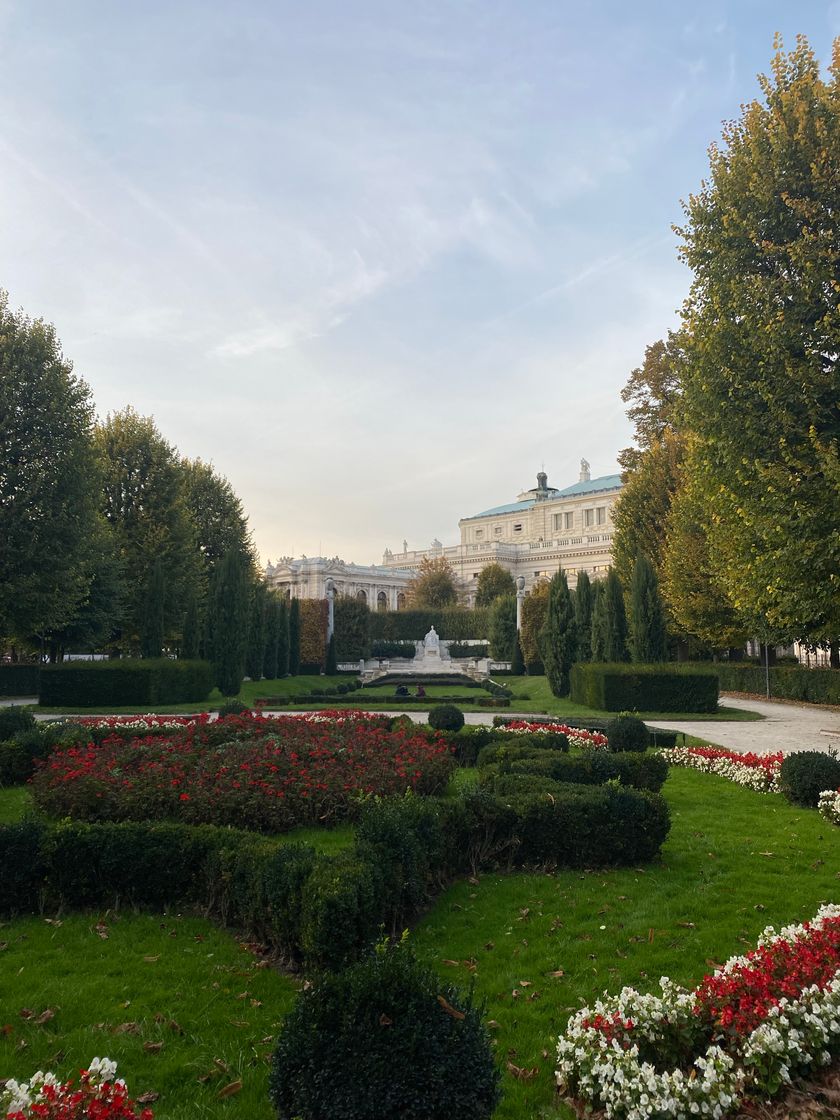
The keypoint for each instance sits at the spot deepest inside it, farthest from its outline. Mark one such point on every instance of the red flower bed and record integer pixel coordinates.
(248, 771)
(740, 996)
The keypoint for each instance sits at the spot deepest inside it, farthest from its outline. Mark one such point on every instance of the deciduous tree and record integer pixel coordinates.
(494, 581)
(434, 585)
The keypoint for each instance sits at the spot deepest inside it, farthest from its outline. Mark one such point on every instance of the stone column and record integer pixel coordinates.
(330, 590)
(520, 598)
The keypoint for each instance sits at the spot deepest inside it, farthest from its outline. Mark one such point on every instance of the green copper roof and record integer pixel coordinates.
(593, 486)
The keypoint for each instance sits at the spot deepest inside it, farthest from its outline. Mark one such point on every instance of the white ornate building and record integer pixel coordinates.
(544, 530)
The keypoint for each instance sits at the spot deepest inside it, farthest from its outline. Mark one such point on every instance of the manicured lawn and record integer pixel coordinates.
(14, 802)
(120, 985)
(540, 946)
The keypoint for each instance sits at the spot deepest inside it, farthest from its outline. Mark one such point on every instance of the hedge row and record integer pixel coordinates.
(639, 688)
(19, 680)
(318, 910)
(657, 737)
(92, 684)
(816, 686)
(639, 771)
(452, 624)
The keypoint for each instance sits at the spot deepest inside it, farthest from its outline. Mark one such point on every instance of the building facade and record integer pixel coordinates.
(545, 530)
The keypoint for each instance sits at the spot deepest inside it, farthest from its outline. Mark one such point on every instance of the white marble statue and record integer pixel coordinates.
(431, 642)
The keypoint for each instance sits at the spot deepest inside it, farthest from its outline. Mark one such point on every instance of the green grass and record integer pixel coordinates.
(735, 862)
(177, 981)
(15, 801)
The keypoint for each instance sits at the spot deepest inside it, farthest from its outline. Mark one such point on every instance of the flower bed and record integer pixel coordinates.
(249, 771)
(749, 1027)
(577, 736)
(829, 805)
(759, 772)
(98, 1096)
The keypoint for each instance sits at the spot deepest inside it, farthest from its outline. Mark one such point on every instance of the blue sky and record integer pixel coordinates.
(378, 262)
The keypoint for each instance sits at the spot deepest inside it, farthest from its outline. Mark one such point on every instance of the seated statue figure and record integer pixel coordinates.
(432, 641)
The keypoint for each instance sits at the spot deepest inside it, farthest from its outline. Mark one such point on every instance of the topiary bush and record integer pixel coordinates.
(14, 719)
(804, 775)
(384, 1040)
(627, 733)
(446, 717)
(232, 707)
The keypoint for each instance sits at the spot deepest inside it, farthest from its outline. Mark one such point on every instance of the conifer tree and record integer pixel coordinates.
(283, 639)
(294, 638)
(151, 636)
(517, 664)
(257, 628)
(331, 667)
(647, 620)
(599, 621)
(502, 627)
(614, 620)
(191, 630)
(583, 617)
(559, 635)
(229, 621)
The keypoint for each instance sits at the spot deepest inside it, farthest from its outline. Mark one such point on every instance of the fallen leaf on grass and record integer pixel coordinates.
(524, 983)
(26, 1013)
(384, 1021)
(153, 1047)
(3, 946)
(557, 974)
(522, 1074)
(52, 921)
(44, 1017)
(229, 1090)
(127, 1028)
(101, 930)
(152, 960)
(454, 964)
(148, 1098)
(686, 925)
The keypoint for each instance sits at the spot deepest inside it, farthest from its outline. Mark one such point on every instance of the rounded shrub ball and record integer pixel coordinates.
(627, 733)
(803, 776)
(446, 717)
(232, 707)
(384, 1040)
(14, 719)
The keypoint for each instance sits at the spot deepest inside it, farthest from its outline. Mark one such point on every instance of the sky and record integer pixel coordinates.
(379, 261)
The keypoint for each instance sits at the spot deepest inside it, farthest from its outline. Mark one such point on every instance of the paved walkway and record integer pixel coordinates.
(786, 727)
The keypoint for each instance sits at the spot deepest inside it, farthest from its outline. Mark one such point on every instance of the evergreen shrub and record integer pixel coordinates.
(446, 717)
(814, 686)
(627, 733)
(104, 683)
(15, 719)
(620, 687)
(384, 1040)
(805, 775)
(232, 707)
(19, 680)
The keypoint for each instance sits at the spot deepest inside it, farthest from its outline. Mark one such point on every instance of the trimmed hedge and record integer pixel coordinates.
(452, 624)
(19, 680)
(459, 650)
(814, 686)
(95, 684)
(805, 775)
(662, 688)
(317, 909)
(384, 649)
(638, 771)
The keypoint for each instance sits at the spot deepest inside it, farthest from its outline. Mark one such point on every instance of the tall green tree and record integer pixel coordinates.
(559, 635)
(217, 514)
(145, 505)
(583, 616)
(192, 631)
(763, 328)
(493, 582)
(284, 642)
(611, 621)
(257, 629)
(229, 611)
(648, 641)
(352, 628)
(154, 599)
(517, 661)
(276, 654)
(502, 627)
(294, 637)
(652, 395)
(641, 512)
(49, 480)
(534, 610)
(599, 621)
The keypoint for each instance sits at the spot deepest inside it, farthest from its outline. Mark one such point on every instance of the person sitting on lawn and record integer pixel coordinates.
(421, 690)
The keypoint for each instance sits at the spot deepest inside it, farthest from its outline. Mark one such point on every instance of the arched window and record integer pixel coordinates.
(401, 601)
(361, 595)
(382, 601)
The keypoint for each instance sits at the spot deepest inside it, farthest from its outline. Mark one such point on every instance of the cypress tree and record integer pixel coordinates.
(229, 621)
(517, 664)
(272, 637)
(294, 638)
(599, 622)
(559, 635)
(583, 616)
(502, 627)
(647, 620)
(191, 634)
(257, 627)
(615, 620)
(283, 640)
(151, 637)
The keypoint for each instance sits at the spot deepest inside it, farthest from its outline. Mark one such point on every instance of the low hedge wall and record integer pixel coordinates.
(452, 624)
(815, 686)
(662, 688)
(19, 680)
(639, 771)
(94, 684)
(318, 910)
(657, 736)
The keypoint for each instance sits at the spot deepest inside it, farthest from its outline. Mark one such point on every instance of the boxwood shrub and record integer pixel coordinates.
(19, 680)
(638, 771)
(805, 775)
(661, 688)
(88, 684)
